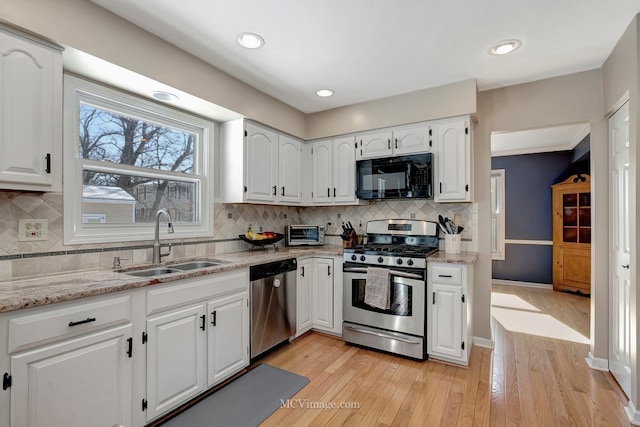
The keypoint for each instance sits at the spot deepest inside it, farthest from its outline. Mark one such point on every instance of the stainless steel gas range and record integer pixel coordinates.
(397, 249)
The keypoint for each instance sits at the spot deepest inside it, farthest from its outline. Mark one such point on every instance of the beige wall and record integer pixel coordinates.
(87, 27)
(568, 99)
(620, 75)
(455, 99)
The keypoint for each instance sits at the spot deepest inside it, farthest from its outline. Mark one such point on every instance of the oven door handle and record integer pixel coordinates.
(381, 335)
(392, 272)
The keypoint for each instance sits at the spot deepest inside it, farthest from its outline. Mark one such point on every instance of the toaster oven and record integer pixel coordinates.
(304, 235)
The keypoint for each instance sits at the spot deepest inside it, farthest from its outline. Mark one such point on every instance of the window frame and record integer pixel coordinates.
(499, 253)
(77, 90)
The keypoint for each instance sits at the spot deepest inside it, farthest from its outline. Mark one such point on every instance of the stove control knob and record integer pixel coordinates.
(410, 262)
(353, 257)
(399, 261)
(380, 259)
(363, 258)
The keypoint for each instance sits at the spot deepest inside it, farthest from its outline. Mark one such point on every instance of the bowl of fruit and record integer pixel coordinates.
(261, 239)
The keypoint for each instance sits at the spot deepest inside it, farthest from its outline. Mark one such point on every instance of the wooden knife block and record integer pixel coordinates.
(352, 242)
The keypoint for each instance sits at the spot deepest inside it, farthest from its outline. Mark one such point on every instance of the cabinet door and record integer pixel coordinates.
(322, 298)
(414, 140)
(454, 167)
(290, 172)
(261, 164)
(374, 145)
(30, 115)
(228, 337)
(344, 170)
(175, 358)
(322, 178)
(446, 321)
(303, 296)
(85, 381)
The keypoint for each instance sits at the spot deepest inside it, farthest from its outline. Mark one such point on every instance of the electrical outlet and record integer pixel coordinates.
(413, 216)
(32, 229)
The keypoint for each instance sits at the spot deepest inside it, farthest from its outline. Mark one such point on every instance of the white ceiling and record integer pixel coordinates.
(370, 49)
(556, 138)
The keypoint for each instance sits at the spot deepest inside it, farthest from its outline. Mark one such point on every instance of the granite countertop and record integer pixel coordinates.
(461, 258)
(42, 290)
(18, 294)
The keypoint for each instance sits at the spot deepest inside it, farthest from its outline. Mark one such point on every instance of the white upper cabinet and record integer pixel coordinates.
(334, 173)
(30, 113)
(452, 175)
(260, 165)
(397, 141)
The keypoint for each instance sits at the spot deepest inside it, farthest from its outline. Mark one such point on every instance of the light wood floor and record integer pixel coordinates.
(526, 380)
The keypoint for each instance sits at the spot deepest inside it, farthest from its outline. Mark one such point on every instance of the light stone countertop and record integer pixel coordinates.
(18, 294)
(461, 258)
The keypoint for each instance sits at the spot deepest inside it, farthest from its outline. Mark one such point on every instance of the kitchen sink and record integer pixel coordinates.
(153, 272)
(196, 265)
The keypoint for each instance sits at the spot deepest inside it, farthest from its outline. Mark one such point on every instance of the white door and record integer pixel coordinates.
(303, 296)
(81, 382)
(228, 337)
(446, 321)
(619, 286)
(175, 358)
(290, 181)
(414, 140)
(262, 164)
(453, 152)
(374, 145)
(344, 170)
(322, 297)
(321, 180)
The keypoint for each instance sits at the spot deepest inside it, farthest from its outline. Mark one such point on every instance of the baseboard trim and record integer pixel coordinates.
(524, 284)
(597, 363)
(483, 342)
(632, 414)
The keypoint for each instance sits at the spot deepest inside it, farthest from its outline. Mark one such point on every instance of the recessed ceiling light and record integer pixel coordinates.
(250, 40)
(324, 92)
(505, 46)
(164, 96)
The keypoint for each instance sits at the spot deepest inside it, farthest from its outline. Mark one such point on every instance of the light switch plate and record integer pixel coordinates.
(32, 229)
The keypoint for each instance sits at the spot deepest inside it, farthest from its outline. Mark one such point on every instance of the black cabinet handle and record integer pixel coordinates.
(441, 187)
(328, 270)
(445, 275)
(328, 192)
(434, 298)
(302, 271)
(389, 143)
(82, 322)
(47, 158)
(203, 318)
(275, 190)
(396, 143)
(283, 191)
(625, 266)
(130, 347)
(213, 321)
(334, 191)
(6, 381)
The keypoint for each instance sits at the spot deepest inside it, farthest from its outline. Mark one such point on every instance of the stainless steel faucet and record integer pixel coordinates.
(157, 253)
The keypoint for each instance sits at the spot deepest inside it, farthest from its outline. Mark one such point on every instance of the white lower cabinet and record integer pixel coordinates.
(319, 305)
(197, 336)
(449, 313)
(70, 364)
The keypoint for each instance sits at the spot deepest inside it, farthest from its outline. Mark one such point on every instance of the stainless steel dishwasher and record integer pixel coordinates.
(273, 304)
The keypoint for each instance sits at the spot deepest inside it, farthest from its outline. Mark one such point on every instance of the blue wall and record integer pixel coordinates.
(528, 180)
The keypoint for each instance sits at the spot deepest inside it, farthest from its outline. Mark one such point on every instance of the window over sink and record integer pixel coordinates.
(126, 158)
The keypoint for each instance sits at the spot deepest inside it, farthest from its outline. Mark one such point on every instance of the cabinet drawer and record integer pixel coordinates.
(446, 274)
(189, 290)
(52, 324)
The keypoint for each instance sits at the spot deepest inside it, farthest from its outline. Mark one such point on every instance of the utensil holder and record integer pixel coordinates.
(452, 243)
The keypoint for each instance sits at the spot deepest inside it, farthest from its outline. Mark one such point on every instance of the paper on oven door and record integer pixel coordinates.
(376, 290)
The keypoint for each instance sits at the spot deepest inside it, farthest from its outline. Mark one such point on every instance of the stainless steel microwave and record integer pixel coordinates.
(401, 177)
(304, 235)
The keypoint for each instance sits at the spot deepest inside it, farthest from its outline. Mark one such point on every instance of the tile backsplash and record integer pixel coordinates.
(20, 259)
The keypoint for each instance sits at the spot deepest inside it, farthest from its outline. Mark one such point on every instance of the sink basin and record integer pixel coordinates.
(196, 265)
(153, 272)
